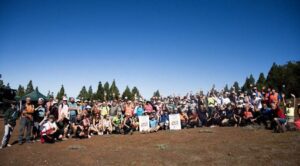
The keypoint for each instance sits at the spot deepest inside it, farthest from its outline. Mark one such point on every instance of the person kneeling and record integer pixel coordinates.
(49, 131)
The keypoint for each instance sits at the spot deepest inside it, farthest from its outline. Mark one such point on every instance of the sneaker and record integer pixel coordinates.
(89, 136)
(8, 145)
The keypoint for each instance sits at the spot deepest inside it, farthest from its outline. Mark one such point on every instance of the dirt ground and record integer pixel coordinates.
(209, 146)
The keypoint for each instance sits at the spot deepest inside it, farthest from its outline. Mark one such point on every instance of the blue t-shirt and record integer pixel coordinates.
(153, 123)
(139, 111)
(73, 105)
(164, 118)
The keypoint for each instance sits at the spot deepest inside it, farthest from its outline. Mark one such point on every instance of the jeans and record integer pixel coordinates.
(7, 133)
(25, 123)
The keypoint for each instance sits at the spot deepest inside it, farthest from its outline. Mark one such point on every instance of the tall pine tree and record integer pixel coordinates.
(106, 91)
(261, 81)
(156, 94)
(127, 94)
(114, 91)
(99, 95)
(61, 93)
(29, 88)
(135, 93)
(90, 93)
(83, 94)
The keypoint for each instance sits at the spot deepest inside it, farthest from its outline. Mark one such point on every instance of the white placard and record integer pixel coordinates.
(175, 123)
(144, 123)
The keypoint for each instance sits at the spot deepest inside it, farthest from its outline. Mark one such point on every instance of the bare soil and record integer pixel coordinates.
(199, 146)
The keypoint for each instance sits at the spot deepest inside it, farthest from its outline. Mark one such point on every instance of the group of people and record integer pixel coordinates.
(54, 120)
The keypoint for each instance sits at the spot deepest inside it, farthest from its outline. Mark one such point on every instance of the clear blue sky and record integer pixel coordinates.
(173, 46)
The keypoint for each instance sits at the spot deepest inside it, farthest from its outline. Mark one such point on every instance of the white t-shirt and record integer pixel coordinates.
(63, 110)
(47, 126)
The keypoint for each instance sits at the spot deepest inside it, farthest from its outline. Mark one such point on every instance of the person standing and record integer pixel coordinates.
(38, 117)
(26, 121)
(10, 118)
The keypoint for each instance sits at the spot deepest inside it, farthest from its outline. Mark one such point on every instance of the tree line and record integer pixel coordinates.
(284, 78)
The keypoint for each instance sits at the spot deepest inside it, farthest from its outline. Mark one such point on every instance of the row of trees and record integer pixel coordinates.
(283, 78)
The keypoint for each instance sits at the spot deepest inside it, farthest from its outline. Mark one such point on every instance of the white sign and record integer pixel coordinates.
(175, 123)
(144, 123)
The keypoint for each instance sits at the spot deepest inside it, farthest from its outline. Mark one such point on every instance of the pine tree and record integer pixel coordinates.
(261, 81)
(251, 80)
(127, 94)
(156, 94)
(83, 94)
(20, 91)
(99, 95)
(135, 93)
(235, 87)
(29, 88)
(61, 93)
(37, 89)
(90, 93)
(106, 91)
(114, 91)
(226, 89)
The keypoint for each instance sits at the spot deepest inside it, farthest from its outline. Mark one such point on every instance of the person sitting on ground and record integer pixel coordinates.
(153, 123)
(95, 126)
(183, 119)
(116, 123)
(290, 111)
(49, 132)
(86, 125)
(107, 126)
(248, 116)
(193, 119)
(77, 127)
(279, 118)
(164, 120)
(127, 124)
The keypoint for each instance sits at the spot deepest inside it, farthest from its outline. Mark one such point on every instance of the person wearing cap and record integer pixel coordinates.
(54, 109)
(10, 117)
(49, 133)
(26, 121)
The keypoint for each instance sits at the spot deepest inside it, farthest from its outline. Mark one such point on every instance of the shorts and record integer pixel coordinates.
(290, 119)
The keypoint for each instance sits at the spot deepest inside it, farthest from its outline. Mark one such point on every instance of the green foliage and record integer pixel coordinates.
(99, 95)
(106, 91)
(90, 95)
(127, 94)
(114, 91)
(29, 88)
(83, 94)
(135, 93)
(235, 87)
(285, 78)
(261, 82)
(156, 94)
(226, 89)
(20, 91)
(61, 93)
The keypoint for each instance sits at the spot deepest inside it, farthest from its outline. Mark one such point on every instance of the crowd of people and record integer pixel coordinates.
(52, 120)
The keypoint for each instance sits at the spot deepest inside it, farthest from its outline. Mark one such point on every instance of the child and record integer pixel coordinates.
(10, 118)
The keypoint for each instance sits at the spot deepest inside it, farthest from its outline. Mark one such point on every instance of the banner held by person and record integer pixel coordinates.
(144, 123)
(175, 122)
